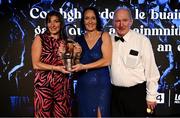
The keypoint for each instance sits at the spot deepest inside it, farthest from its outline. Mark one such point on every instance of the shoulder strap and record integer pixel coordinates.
(102, 33)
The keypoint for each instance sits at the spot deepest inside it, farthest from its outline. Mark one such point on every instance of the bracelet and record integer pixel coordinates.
(82, 67)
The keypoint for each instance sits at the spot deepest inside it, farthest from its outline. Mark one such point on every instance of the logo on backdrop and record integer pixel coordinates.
(177, 99)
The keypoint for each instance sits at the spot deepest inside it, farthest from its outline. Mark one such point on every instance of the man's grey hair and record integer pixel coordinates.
(124, 8)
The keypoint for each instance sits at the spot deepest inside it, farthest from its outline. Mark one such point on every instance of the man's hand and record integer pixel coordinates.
(151, 105)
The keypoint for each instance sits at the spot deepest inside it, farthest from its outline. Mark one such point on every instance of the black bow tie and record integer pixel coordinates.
(119, 38)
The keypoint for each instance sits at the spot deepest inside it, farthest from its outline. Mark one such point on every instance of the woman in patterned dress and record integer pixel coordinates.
(52, 88)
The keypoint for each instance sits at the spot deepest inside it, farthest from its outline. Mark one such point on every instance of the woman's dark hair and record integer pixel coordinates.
(60, 17)
(99, 22)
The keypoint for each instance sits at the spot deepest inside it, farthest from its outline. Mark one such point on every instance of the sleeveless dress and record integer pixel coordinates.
(93, 86)
(52, 89)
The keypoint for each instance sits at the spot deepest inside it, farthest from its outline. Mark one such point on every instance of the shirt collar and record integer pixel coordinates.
(126, 36)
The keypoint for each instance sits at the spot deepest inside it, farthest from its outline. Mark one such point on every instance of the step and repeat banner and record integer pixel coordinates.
(20, 21)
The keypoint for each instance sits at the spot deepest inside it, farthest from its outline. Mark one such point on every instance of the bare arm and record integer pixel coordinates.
(106, 49)
(36, 50)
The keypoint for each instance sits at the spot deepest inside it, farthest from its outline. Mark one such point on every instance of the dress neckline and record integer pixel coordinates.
(91, 48)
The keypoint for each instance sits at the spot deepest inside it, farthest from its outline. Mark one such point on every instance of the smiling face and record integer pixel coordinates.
(90, 20)
(53, 25)
(122, 21)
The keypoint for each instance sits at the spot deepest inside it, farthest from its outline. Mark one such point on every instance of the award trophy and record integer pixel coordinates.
(70, 56)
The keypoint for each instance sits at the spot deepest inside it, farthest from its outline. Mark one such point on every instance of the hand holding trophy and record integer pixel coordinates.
(73, 49)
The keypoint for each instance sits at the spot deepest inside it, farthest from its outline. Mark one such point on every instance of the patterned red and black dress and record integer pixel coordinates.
(52, 89)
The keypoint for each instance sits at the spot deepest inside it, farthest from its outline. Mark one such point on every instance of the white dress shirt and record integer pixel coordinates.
(131, 69)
